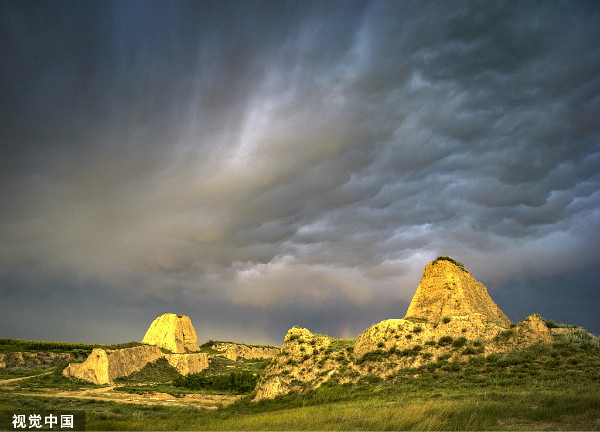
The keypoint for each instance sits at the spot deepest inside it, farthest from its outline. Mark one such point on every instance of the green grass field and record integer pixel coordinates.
(537, 389)
(15, 345)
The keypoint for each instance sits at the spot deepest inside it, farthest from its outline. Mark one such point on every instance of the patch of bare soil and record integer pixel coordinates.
(109, 394)
(10, 380)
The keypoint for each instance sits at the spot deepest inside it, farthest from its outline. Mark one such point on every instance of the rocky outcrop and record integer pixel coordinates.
(304, 360)
(447, 289)
(103, 366)
(405, 334)
(232, 351)
(188, 363)
(450, 319)
(172, 332)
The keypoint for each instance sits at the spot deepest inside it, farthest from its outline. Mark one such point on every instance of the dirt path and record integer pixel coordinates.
(109, 393)
(10, 380)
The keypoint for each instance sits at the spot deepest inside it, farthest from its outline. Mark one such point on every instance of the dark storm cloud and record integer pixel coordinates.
(282, 160)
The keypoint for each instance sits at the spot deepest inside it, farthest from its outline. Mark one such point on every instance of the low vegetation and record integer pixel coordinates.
(450, 259)
(16, 345)
(159, 371)
(542, 387)
(233, 382)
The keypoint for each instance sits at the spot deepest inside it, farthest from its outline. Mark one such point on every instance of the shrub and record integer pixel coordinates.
(417, 348)
(408, 336)
(445, 340)
(446, 320)
(460, 342)
(451, 367)
(235, 381)
(370, 379)
(353, 373)
(426, 355)
(430, 343)
(492, 358)
(578, 340)
(504, 335)
(551, 324)
(372, 356)
(477, 361)
(418, 329)
(452, 260)
(380, 345)
(464, 330)
(468, 351)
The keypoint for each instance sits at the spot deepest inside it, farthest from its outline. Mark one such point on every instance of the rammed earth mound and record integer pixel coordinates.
(450, 320)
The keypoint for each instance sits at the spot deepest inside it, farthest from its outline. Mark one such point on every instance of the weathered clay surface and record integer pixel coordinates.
(103, 366)
(404, 334)
(448, 290)
(533, 330)
(474, 325)
(233, 351)
(298, 343)
(172, 332)
(188, 363)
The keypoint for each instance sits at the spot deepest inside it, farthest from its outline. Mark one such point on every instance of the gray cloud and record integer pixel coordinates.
(293, 160)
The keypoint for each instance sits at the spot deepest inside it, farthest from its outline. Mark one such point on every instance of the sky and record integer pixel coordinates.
(260, 165)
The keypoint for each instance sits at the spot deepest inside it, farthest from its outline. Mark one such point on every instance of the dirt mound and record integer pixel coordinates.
(232, 351)
(405, 334)
(450, 318)
(188, 363)
(447, 289)
(103, 366)
(172, 332)
(295, 365)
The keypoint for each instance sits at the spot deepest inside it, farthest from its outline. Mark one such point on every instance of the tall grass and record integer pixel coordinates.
(491, 410)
